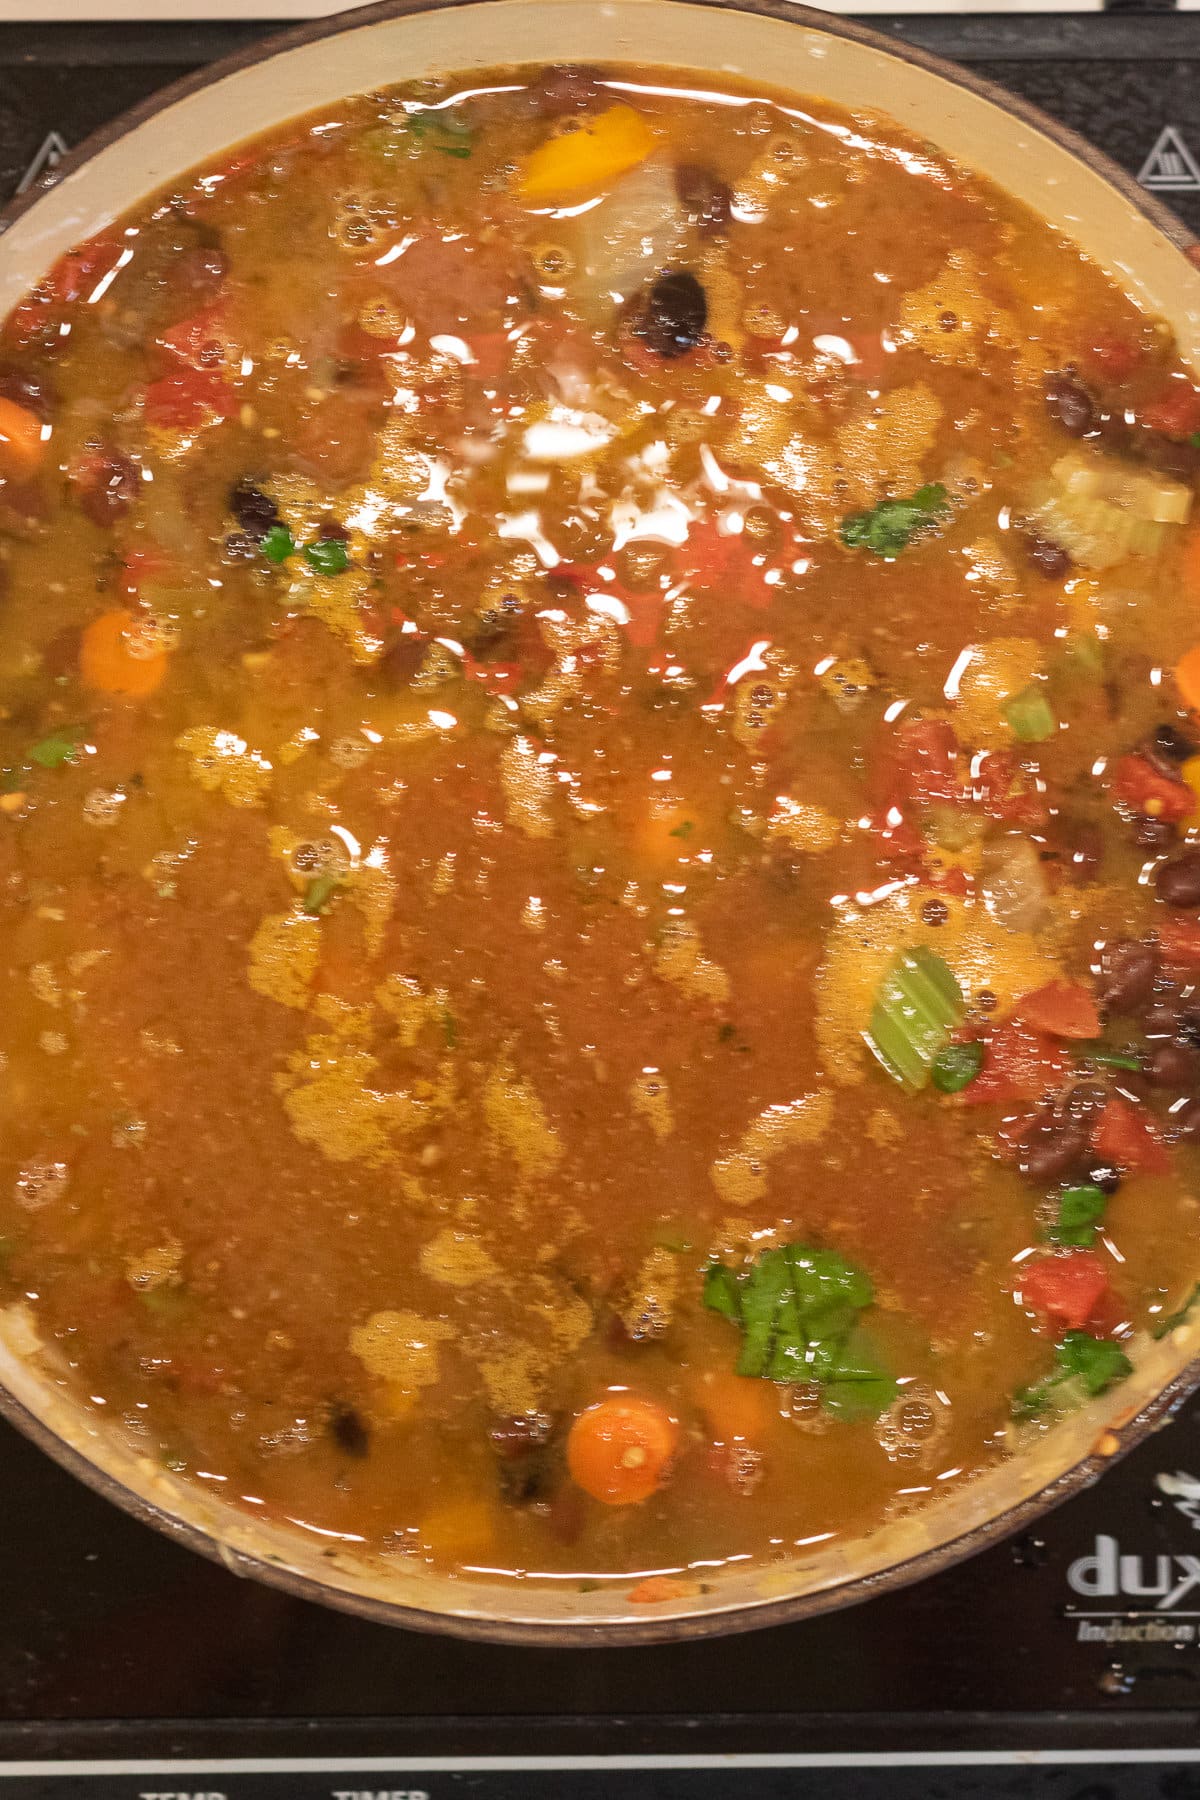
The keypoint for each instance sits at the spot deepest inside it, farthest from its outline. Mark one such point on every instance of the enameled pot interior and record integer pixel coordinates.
(783, 48)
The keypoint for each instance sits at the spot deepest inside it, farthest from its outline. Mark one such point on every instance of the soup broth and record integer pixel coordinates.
(600, 910)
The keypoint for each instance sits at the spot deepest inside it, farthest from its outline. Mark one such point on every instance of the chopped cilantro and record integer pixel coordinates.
(328, 556)
(726, 1032)
(1083, 1367)
(888, 528)
(956, 1067)
(278, 544)
(684, 829)
(62, 746)
(798, 1310)
(320, 892)
(1194, 440)
(450, 1027)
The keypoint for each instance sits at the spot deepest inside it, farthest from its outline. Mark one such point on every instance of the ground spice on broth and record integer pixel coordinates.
(598, 784)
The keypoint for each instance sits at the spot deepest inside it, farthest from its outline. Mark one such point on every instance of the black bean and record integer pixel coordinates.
(35, 391)
(1048, 558)
(1083, 1101)
(1189, 1028)
(1105, 1176)
(1153, 834)
(935, 912)
(564, 88)
(1173, 1065)
(239, 546)
(1053, 1148)
(254, 511)
(704, 197)
(1171, 743)
(1128, 971)
(349, 1432)
(1170, 455)
(520, 1434)
(673, 314)
(1178, 881)
(1070, 404)
(1186, 1122)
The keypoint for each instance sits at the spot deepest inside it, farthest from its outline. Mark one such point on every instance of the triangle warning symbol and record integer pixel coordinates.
(50, 153)
(1170, 167)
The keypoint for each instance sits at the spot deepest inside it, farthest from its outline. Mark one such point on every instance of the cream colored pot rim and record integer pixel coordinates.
(1173, 1371)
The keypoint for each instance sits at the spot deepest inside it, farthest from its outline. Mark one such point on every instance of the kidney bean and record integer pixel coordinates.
(704, 196)
(107, 484)
(1178, 881)
(1054, 1142)
(1128, 971)
(565, 88)
(1173, 1065)
(1186, 1122)
(1082, 848)
(1070, 404)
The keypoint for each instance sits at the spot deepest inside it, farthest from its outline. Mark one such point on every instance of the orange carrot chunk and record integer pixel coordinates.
(1187, 670)
(620, 1450)
(116, 657)
(21, 445)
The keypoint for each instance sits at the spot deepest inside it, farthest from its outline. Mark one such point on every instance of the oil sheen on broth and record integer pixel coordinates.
(599, 929)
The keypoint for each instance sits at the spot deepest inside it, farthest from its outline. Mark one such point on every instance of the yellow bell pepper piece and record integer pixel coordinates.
(1191, 774)
(593, 154)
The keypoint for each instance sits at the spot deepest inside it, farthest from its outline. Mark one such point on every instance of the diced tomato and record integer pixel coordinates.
(1176, 411)
(1125, 1136)
(188, 398)
(1066, 1290)
(1002, 788)
(1063, 1008)
(1179, 941)
(1143, 788)
(898, 838)
(199, 341)
(919, 765)
(1114, 356)
(713, 559)
(77, 273)
(1020, 1063)
(645, 611)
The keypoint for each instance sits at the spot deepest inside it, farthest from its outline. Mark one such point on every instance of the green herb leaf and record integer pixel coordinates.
(320, 892)
(1080, 1210)
(1109, 1059)
(888, 528)
(917, 1006)
(798, 1310)
(1166, 1326)
(450, 1027)
(329, 556)
(278, 544)
(441, 130)
(1029, 716)
(62, 746)
(684, 829)
(956, 1067)
(1084, 1366)
(1194, 440)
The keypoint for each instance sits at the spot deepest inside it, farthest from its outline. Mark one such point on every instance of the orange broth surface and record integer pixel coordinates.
(535, 614)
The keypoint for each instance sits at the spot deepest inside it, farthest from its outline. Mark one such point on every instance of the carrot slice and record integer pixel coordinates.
(1187, 669)
(619, 1451)
(112, 659)
(1065, 1009)
(21, 444)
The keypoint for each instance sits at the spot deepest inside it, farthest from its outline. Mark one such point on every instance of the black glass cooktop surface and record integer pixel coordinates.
(1066, 1663)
